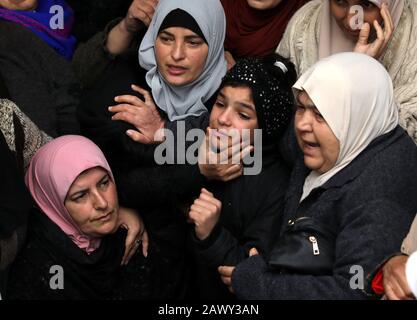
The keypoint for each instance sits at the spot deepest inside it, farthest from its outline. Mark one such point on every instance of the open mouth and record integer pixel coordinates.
(310, 145)
(176, 70)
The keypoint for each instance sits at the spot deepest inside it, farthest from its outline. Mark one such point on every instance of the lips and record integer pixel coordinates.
(309, 148)
(176, 70)
(311, 144)
(104, 217)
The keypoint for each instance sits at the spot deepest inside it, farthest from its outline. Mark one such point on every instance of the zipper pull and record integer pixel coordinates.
(315, 244)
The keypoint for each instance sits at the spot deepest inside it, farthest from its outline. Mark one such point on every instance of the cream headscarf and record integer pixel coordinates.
(354, 94)
(332, 39)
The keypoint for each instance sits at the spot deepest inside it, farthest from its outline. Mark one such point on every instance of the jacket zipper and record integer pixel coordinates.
(315, 244)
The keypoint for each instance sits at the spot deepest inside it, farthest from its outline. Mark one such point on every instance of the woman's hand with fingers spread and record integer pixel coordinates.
(209, 158)
(142, 114)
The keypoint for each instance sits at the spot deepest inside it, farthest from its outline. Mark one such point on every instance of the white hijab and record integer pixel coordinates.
(355, 96)
(332, 39)
(180, 102)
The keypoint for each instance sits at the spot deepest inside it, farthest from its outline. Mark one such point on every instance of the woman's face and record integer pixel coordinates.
(92, 202)
(317, 141)
(26, 5)
(340, 10)
(263, 4)
(234, 109)
(181, 55)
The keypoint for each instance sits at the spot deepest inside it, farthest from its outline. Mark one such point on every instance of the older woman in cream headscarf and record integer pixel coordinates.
(324, 27)
(356, 178)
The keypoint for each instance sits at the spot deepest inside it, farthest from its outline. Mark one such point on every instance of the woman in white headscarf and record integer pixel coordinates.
(325, 27)
(351, 198)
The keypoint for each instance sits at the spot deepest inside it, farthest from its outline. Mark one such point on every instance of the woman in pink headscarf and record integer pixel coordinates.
(74, 241)
(383, 29)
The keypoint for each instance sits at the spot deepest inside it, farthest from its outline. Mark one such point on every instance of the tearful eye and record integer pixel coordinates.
(340, 2)
(219, 104)
(368, 5)
(165, 39)
(318, 116)
(194, 43)
(79, 197)
(300, 108)
(244, 116)
(104, 182)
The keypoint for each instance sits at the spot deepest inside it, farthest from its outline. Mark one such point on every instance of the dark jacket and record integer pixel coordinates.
(92, 16)
(39, 80)
(252, 206)
(51, 258)
(370, 204)
(15, 205)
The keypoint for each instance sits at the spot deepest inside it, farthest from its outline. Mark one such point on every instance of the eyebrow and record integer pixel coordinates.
(311, 105)
(79, 192)
(241, 104)
(189, 37)
(247, 106)
(86, 189)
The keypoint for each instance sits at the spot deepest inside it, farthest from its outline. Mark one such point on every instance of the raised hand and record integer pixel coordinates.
(205, 213)
(376, 48)
(143, 115)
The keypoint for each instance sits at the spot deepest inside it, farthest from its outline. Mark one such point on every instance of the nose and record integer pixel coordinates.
(100, 201)
(304, 121)
(178, 50)
(224, 118)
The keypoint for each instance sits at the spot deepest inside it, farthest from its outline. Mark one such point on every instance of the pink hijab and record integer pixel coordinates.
(332, 39)
(51, 173)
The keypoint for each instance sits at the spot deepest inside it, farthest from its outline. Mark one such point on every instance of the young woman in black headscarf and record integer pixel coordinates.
(229, 218)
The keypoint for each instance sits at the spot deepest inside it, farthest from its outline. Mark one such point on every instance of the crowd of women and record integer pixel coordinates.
(321, 93)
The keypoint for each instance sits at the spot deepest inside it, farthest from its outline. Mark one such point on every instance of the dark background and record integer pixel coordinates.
(91, 16)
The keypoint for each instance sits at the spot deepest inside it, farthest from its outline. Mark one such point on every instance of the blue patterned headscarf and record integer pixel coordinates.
(39, 21)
